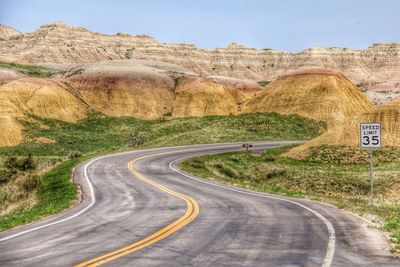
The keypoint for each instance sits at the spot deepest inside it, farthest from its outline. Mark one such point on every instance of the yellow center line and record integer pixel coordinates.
(192, 210)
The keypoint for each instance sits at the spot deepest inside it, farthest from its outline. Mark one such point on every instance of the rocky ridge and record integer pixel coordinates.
(376, 70)
(7, 32)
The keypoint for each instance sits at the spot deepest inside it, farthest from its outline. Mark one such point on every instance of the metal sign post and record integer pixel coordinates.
(247, 146)
(371, 174)
(370, 137)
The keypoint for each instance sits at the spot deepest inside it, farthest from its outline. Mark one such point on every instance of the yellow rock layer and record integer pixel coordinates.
(323, 96)
(40, 97)
(197, 97)
(10, 131)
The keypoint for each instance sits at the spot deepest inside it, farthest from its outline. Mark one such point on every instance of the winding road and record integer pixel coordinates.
(139, 209)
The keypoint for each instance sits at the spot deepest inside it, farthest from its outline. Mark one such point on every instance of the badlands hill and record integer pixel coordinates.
(347, 133)
(137, 88)
(153, 89)
(124, 88)
(319, 94)
(375, 69)
(198, 96)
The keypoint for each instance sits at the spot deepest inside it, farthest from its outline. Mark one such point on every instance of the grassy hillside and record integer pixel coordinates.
(344, 185)
(59, 146)
(110, 133)
(29, 70)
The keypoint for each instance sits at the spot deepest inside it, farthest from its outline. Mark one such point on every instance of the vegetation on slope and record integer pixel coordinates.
(68, 144)
(345, 154)
(54, 193)
(29, 70)
(345, 185)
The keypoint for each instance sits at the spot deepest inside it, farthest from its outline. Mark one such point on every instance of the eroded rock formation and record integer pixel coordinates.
(376, 70)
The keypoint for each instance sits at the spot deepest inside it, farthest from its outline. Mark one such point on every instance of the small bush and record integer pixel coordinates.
(11, 162)
(225, 170)
(234, 159)
(167, 114)
(74, 154)
(177, 80)
(31, 183)
(27, 163)
(269, 159)
(276, 172)
(196, 163)
(6, 175)
(264, 83)
(136, 139)
(22, 164)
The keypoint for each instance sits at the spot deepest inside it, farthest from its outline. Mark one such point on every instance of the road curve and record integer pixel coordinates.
(139, 209)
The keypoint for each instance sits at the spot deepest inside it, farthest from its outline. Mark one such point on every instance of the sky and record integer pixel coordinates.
(290, 25)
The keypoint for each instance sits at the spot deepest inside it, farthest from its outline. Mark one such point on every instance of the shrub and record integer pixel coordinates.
(31, 183)
(275, 172)
(11, 162)
(136, 139)
(269, 159)
(74, 154)
(26, 163)
(177, 80)
(6, 175)
(264, 83)
(196, 163)
(23, 164)
(225, 170)
(167, 114)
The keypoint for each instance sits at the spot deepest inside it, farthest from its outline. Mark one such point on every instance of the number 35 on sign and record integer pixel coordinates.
(370, 134)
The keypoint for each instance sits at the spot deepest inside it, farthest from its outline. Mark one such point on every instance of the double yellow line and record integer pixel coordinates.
(192, 210)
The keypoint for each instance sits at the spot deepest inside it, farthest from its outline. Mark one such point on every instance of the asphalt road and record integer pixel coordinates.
(152, 214)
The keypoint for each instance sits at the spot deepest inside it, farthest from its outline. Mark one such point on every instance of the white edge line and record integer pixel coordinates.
(330, 251)
(92, 196)
(93, 201)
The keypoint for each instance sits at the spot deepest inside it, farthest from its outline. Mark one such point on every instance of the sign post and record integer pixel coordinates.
(370, 137)
(247, 146)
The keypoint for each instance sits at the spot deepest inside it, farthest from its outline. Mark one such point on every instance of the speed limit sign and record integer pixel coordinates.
(370, 135)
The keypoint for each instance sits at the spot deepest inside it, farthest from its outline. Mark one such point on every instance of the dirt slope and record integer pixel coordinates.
(318, 94)
(40, 97)
(198, 96)
(124, 88)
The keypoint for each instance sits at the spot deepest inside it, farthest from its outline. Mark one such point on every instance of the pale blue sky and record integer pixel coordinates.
(280, 24)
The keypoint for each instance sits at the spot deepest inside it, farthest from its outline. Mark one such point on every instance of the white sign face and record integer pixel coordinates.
(370, 134)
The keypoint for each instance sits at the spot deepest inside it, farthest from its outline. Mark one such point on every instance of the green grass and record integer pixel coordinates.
(107, 133)
(97, 135)
(347, 154)
(264, 83)
(29, 70)
(344, 185)
(55, 193)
